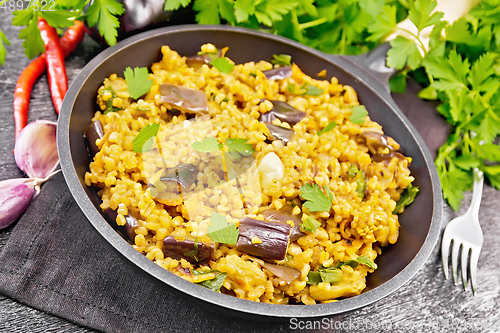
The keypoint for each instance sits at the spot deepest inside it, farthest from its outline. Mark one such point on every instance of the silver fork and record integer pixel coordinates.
(465, 232)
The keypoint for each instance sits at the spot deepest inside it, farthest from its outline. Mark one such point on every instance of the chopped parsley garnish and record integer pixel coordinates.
(222, 64)
(239, 147)
(310, 224)
(313, 90)
(358, 115)
(214, 284)
(331, 125)
(317, 201)
(222, 232)
(359, 260)
(144, 140)
(407, 197)
(109, 102)
(282, 60)
(328, 275)
(207, 145)
(305, 89)
(138, 82)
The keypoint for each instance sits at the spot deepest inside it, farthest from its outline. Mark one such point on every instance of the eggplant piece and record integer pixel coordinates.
(187, 248)
(284, 112)
(94, 132)
(274, 238)
(183, 174)
(286, 273)
(280, 133)
(127, 230)
(279, 73)
(282, 216)
(388, 157)
(173, 182)
(184, 99)
(375, 141)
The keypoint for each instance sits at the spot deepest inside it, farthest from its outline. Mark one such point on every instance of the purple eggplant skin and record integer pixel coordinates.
(388, 157)
(184, 99)
(15, 197)
(279, 73)
(284, 112)
(274, 237)
(185, 249)
(375, 141)
(183, 174)
(127, 230)
(94, 132)
(282, 216)
(280, 133)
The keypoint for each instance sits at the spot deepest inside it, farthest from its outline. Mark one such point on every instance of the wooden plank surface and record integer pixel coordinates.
(428, 303)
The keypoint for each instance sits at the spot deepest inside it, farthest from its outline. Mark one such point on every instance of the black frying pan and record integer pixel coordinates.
(420, 223)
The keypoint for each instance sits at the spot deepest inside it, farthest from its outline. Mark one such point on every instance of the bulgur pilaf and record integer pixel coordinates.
(303, 183)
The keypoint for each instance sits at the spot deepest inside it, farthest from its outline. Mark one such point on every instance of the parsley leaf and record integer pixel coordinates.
(3, 52)
(330, 275)
(207, 145)
(239, 147)
(222, 232)
(313, 90)
(310, 224)
(331, 125)
(420, 14)
(138, 82)
(407, 198)
(305, 89)
(403, 51)
(214, 284)
(144, 140)
(33, 44)
(282, 60)
(366, 261)
(104, 13)
(317, 201)
(313, 278)
(171, 5)
(222, 64)
(58, 18)
(358, 115)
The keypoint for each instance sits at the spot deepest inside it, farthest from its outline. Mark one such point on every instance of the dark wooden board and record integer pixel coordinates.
(428, 303)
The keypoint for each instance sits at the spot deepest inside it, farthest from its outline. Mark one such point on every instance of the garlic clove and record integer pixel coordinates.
(36, 149)
(15, 196)
(271, 169)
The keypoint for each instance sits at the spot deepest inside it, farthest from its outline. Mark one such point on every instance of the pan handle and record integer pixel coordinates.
(373, 62)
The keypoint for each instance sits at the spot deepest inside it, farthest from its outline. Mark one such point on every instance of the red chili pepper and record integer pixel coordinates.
(56, 70)
(35, 69)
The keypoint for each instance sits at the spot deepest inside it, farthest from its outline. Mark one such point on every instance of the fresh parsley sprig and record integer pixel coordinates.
(236, 147)
(316, 200)
(138, 82)
(460, 68)
(143, 142)
(220, 231)
(103, 13)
